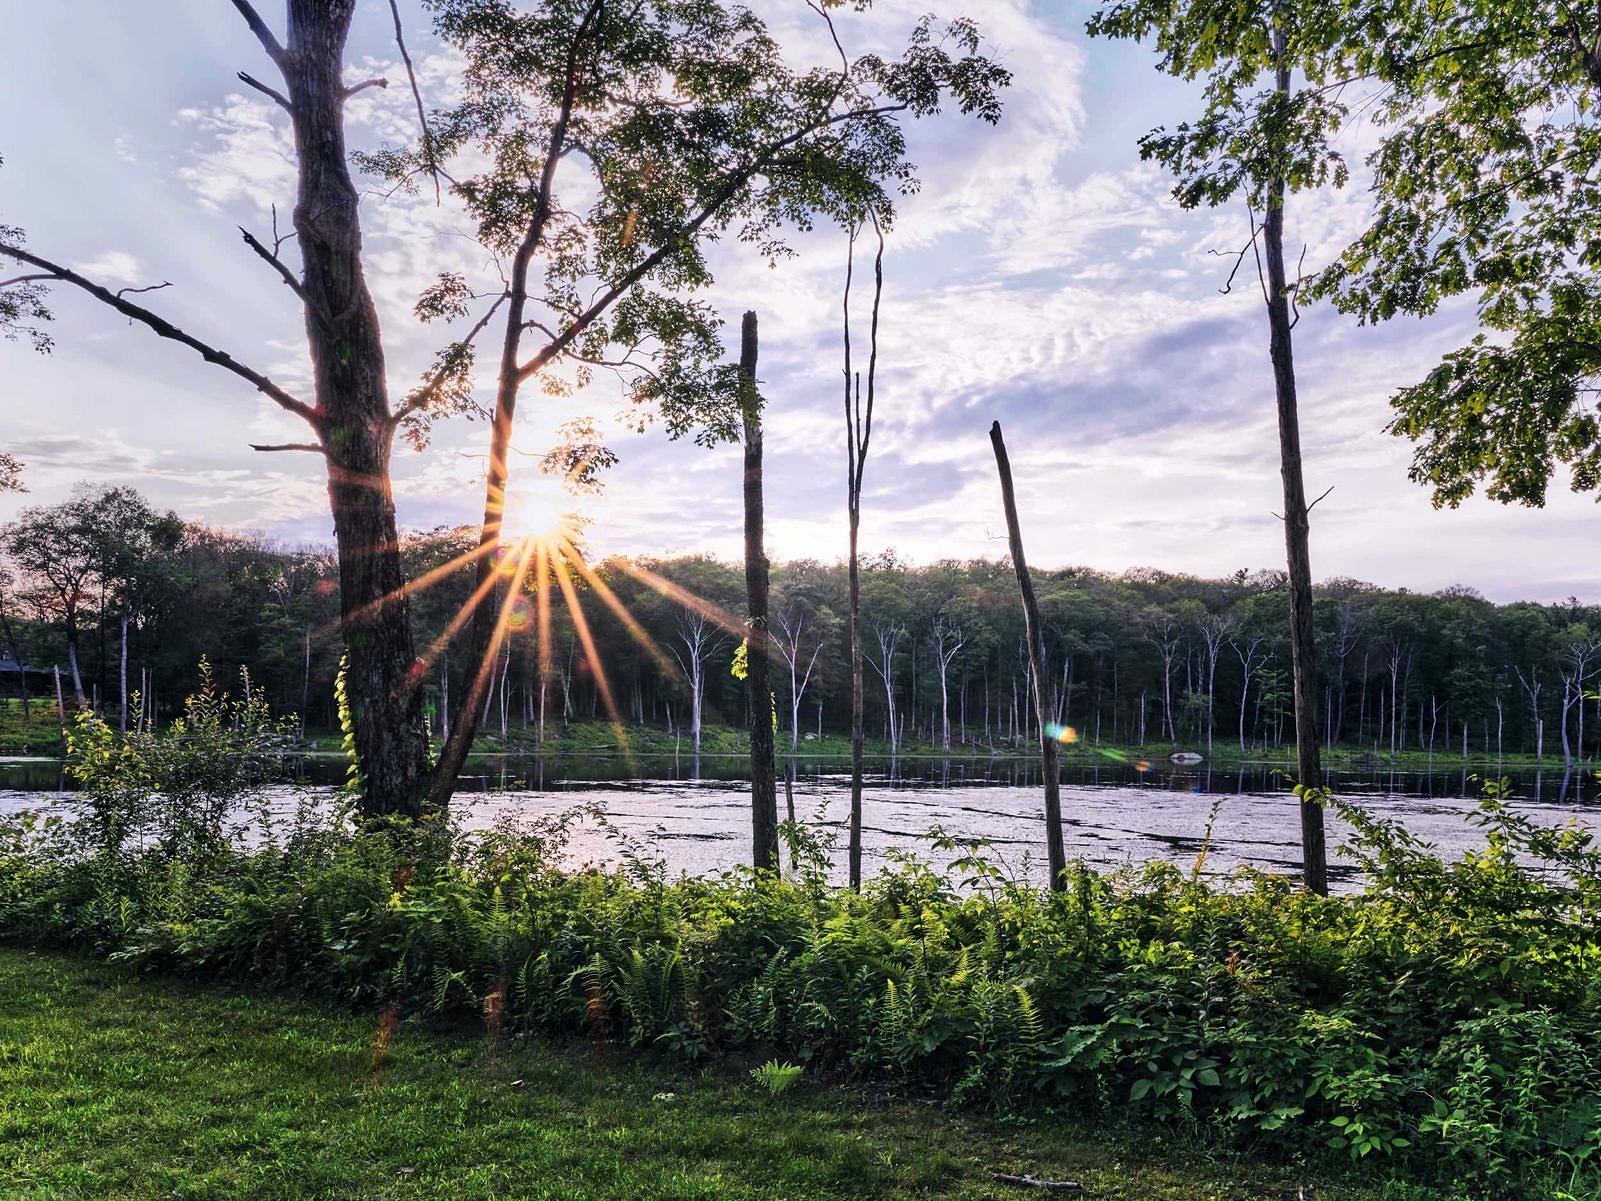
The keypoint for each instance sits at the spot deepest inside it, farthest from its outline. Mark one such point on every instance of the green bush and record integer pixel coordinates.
(1448, 1016)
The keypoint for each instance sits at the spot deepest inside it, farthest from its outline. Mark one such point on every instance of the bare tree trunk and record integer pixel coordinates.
(858, 434)
(122, 677)
(72, 662)
(763, 786)
(1055, 851)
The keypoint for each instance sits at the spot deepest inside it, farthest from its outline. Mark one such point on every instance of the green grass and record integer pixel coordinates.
(39, 733)
(118, 1087)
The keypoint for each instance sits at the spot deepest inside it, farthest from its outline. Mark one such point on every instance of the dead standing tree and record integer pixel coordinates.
(1055, 851)
(858, 434)
(636, 100)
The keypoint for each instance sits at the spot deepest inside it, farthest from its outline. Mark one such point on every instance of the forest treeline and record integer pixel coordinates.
(127, 600)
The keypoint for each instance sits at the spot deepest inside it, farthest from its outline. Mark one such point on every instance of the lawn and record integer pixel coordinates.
(120, 1087)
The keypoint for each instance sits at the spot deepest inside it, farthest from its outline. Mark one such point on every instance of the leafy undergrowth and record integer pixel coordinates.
(113, 1086)
(1443, 1025)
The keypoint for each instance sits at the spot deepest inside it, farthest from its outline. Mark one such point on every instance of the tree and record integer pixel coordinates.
(1486, 186)
(759, 695)
(1166, 636)
(1215, 630)
(805, 624)
(59, 549)
(858, 439)
(1257, 144)
(949, 639)
(653, 101)
(11, 472)
(697, 641)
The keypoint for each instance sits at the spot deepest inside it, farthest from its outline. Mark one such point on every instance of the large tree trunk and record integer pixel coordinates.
(1297, 529)
(763, 785)
(352, 402)
(1056, 854)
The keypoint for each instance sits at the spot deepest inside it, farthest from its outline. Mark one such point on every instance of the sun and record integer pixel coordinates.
(538, 509)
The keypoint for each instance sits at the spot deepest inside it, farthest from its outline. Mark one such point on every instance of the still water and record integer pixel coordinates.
(696, 817)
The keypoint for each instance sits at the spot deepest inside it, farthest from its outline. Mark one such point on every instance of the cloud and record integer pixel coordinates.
(114, 267)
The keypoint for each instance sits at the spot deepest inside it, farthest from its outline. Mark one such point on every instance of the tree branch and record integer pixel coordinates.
(271, 259)
(274, 50)
(428, 158)
(311, 446)
(166, 283)
(710, 209)
(165, 329)
(25, 279)
(283, 101)
(420, 398)
(379, 82)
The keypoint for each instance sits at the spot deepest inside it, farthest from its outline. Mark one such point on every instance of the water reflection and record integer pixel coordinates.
(697, 807)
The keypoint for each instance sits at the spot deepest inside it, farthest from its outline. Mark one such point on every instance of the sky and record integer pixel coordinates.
(1041, 276)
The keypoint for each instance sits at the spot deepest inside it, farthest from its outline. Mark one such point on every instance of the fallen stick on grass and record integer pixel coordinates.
(1050, 1186)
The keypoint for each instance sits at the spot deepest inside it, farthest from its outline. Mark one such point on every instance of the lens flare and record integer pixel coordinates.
(1062, 734)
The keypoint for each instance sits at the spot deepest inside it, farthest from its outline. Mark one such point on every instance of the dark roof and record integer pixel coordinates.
(9, 664)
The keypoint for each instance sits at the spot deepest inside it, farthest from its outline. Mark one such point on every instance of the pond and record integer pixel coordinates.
(696, 817)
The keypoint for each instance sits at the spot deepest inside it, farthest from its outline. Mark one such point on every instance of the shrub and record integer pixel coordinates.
(1447, 1016)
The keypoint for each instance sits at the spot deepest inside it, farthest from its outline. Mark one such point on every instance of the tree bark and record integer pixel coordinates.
(1297, 531)
(758, 686)
(355, 424)
(1055, 852)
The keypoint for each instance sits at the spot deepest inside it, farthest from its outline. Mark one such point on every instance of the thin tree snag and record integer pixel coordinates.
(858, 433)
(1055, 853)
(165, 329)
(763, 785)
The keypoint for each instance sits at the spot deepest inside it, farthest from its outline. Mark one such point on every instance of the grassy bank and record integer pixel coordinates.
(113, 1086)
(40, 734)
(36, 732)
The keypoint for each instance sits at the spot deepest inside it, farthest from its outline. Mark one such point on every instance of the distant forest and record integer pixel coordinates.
(126, 599)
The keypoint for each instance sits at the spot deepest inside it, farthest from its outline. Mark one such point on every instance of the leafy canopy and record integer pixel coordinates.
(608, 145)
(1486, 187)
(1250, 134)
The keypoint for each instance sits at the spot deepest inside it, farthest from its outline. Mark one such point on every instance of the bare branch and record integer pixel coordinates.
(250, 80)
(25, 279)
(431, 386)
(1239, 257)
(166, 283)
(1295, 288)
(311, 446)
(1313, 505)
(274, 50)
(379, 82)
(270, 257)
(428, 157)
(165, 329)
